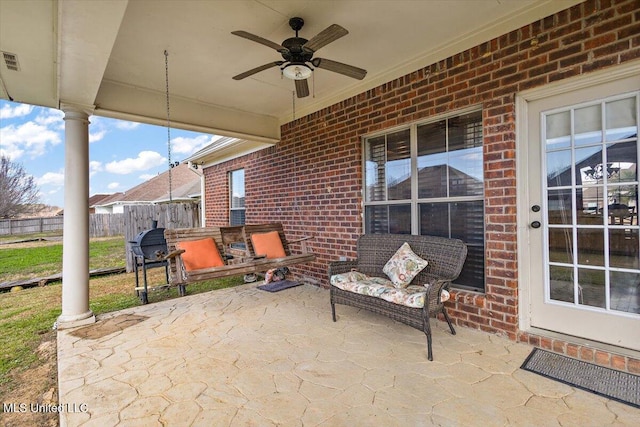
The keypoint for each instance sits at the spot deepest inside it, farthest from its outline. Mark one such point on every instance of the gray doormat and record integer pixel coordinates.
(612, 384)
(279, 285)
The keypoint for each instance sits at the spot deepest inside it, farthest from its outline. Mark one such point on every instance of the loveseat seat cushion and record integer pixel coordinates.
(359, 283)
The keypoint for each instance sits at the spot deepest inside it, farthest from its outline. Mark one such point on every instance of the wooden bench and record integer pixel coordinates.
(445, 259)
(238, 261)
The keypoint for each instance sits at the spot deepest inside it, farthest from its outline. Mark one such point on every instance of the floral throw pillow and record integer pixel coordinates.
(403, 266)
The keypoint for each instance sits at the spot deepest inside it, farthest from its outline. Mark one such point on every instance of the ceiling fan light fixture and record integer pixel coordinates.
(297, 72)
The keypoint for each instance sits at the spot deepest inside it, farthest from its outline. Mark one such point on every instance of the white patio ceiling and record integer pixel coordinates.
(109, 55)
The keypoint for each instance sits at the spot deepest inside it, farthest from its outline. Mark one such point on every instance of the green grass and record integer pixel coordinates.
(31, 261)
(45, 258)
(27, 316)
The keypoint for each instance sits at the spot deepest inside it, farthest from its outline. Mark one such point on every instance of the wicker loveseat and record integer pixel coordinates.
(445, 258)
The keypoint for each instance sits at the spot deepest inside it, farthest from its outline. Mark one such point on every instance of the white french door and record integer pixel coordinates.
(583, 200)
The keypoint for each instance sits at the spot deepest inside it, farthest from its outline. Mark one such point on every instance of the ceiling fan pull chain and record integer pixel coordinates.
(166, 78)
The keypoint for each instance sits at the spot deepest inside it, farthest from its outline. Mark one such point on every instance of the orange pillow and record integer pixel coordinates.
(268, 244)
(200, 254)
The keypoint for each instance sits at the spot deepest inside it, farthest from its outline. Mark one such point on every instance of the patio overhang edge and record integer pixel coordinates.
(226, 149)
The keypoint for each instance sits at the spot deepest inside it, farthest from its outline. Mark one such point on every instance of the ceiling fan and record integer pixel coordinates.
(297, 54)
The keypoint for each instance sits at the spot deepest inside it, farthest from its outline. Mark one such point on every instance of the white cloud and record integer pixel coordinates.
(145, 161)
(29, 138)
(8, 112)
(51, 118)
(94, 167)
(52, 178)
(147, 176)
(113, 186)
(97, 136)
(122, 125)
(182, 145)
(12, 152)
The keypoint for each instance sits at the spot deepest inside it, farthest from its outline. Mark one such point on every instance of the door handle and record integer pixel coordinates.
(535, 224)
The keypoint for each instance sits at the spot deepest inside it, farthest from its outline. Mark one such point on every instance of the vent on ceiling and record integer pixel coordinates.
(11, 61)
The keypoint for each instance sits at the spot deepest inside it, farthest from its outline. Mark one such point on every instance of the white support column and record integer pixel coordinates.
(75, 256)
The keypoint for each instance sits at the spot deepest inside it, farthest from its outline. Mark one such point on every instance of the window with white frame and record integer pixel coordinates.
(427, 178)
(236, 197)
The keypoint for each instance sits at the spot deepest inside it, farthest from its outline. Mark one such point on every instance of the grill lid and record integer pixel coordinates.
(150, 244)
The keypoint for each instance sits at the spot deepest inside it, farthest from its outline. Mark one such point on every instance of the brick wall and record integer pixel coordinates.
(312, 180)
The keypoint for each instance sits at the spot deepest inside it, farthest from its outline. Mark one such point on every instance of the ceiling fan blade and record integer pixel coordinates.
(302, 88)
(326, 36)
(340, 68)
(259, 39)
(256, 70)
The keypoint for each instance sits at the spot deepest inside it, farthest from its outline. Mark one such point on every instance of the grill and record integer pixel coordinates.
(148, 250)
(150, 244)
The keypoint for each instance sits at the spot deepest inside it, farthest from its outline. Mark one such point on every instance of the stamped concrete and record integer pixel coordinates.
(245, 357)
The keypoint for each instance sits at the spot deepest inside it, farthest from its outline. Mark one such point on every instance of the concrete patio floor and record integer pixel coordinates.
(245, 357)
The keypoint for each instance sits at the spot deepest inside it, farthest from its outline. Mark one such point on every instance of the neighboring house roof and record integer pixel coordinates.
(97, 198)
(185, 185)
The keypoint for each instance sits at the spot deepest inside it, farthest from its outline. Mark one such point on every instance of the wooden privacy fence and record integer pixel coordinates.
(100, 225)
(171, 215)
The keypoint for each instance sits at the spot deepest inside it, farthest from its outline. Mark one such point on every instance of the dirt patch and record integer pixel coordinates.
(38, 386)
(108, 326)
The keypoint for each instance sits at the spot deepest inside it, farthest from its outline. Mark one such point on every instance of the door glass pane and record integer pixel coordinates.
(591, 287)
(625, 291)
(561, 283)
(590, 202)
(558, 130)
(588, 125)
(559, 206)
(621, 119)
(591, 246)
(561, 245)
(559, 168)
(589, 170)
(621, 161)
(623, 248)
(398, 166)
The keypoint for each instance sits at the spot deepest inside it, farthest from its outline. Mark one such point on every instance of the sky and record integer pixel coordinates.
(121, 154)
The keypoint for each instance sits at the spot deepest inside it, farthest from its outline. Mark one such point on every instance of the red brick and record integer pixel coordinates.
(618, 362)
(633, 366)
(603, 358)
(559, 346)
(573, 350)
(587, 354)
